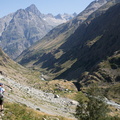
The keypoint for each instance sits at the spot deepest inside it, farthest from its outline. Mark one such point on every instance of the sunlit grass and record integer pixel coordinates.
(14, 111)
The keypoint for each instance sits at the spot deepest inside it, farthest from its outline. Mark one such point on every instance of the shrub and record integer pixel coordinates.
(94, 108)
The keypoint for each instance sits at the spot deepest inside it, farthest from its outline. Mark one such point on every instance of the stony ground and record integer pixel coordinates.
(37, 99)
(42, 101)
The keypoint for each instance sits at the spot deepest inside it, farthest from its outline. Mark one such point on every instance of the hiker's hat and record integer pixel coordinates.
(1, 84)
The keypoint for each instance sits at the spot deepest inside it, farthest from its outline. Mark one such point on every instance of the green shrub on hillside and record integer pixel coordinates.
(113, 92)
(94, 108)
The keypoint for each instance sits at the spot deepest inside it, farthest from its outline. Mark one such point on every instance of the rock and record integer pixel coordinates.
(116, 109)
(66, 89)
(38, 109)
(56, 96)
(1, 72)
(74, 102)
(65, 80)
(44, 119)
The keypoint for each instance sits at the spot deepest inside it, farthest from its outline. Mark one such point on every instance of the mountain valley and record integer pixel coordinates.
(56, 59)
(61, 55)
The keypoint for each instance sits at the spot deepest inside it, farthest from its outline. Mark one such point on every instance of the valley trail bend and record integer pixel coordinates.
(37, 99)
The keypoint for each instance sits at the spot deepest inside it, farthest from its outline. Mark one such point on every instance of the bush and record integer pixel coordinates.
(94, 108)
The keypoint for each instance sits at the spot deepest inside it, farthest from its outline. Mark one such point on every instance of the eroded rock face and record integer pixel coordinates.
(21, 30)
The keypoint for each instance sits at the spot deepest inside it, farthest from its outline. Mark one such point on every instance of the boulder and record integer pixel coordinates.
(56, 96)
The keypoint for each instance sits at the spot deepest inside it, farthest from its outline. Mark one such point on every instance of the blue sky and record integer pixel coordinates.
(45, 6)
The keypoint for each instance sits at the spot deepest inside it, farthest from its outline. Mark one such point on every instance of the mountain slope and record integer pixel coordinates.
(13, 70)
(57, 37)
(59, 53)
(99, 40)
(20, 85)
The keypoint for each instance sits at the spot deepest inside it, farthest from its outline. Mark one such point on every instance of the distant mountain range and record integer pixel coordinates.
(79, 45)
(21, 29)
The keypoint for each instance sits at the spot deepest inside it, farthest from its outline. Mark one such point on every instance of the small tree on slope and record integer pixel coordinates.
(94, 108)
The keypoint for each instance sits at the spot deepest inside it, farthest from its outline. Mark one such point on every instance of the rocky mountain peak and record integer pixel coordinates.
(32, 8)
(95, 5)
(75, 14)
(59, 16)
(66, 16)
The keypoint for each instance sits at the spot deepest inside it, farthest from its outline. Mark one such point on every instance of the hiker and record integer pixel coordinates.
(2, 90)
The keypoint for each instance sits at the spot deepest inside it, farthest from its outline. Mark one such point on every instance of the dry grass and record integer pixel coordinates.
(61, 87)
(114, 111)
(15, 111)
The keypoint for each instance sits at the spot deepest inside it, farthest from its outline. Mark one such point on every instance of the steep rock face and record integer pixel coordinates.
(4, 22)
(23, 28)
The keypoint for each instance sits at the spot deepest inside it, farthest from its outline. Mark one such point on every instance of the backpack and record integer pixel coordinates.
(1, 92)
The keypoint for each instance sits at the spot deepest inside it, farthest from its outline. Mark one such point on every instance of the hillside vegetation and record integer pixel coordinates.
(16, 111)
(15, 71)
